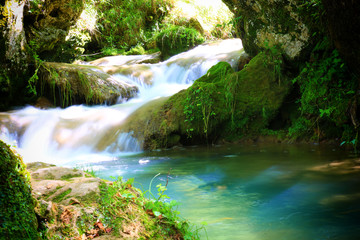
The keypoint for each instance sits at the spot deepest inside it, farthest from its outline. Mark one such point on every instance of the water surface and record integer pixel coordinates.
(254, 192)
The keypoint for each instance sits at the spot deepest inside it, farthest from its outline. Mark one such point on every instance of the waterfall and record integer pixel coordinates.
(72, 135)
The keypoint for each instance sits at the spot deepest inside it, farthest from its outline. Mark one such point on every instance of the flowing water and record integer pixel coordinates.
(240, 191)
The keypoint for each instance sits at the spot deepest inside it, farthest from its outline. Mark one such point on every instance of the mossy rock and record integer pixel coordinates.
(81, 207)
(221, 104)
(262, 24)
(67, 84)
(47, 23)
(17, 215)
(60, 185)
(176, 39)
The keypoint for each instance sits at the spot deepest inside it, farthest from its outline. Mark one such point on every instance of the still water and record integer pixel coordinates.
(253, 191)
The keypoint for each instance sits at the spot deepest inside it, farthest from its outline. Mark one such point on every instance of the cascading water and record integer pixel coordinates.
(70, 136)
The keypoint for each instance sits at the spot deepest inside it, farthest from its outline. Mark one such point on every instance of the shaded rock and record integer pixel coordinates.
(243, 60)
(69, 84)
(43, 103)
(343, 24)
(17, 215)
(48, 22)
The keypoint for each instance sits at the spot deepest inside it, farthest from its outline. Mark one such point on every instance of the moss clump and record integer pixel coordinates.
(17, 215)
(62, 195)
(176, 39)
(69, 176)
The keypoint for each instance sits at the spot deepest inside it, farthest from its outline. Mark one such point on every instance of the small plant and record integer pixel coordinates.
(198, 109)
(120, 203)
(164, 211)
(275, 59)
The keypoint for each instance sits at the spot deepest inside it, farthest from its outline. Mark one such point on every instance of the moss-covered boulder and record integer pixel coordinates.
(262, 24)
(17, 215)
(176, 39)
(221, 104)
(68, 84)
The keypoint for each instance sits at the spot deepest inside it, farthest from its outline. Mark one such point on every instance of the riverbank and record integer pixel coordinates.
(65, 203)
(74, 204)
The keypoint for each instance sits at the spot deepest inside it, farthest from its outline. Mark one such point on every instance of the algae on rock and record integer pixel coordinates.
(17, 215)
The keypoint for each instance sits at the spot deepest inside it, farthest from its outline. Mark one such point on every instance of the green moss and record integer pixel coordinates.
(17, 216)
(238, 103)
(61, 196)
(176, 39)
(69, 176)
(90, 198)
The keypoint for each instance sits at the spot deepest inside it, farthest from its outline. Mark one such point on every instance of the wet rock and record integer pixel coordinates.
(243, 60)
(71, 84)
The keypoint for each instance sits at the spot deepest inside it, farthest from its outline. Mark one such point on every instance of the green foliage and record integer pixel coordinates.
(164, 211)
(201, 103)
(326, 88)
(17, 216)
(120, 203)
(123, 24)
(199, 108)
(275, 59)
(173, 39)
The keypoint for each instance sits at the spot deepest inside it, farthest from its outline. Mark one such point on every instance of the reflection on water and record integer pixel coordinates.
(254, 192)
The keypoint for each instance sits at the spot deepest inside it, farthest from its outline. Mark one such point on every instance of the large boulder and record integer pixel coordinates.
(68, 84)
(262, 24)
(47, 22)
(17, 215)
(221, 104)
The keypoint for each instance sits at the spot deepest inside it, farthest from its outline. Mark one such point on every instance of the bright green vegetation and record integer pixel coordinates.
(77, 205)
(123, 27)
(326, 90)
(17, 215)
(176, 39)
(123, 205)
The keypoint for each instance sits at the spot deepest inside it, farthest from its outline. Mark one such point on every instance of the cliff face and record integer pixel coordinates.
(47, 23)
(264, 23)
